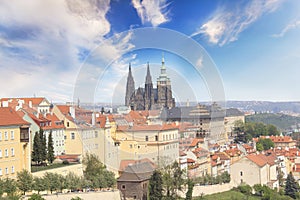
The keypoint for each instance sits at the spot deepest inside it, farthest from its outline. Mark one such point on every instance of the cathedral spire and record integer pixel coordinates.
(129, 87)
(148, 76)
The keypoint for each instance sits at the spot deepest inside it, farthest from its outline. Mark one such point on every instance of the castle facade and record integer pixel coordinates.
(149, 98)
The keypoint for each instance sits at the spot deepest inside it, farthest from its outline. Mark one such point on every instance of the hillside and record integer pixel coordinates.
(281, 121)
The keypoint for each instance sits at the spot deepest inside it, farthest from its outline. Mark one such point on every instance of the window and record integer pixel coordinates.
(12, 169)
(123, 187)
(96, 134)
(6, 152)
(0, 136)
(73, 136)
(12, 152)
(146, 138)
(12, 135)
(0, 153)
(0, 172)
(65, 137)
(6, 170)
(156, 138)
(241, 173)
(130, 146)
(68, 124)
(5, 135)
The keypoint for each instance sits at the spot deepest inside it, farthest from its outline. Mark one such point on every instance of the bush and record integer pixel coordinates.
(245, 189)
(65, 162)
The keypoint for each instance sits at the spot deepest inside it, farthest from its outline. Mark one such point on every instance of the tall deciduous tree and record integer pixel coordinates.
(50, 149)
(155, 186)
(189, 193)
(51, 181)
(96, 172)
(24, 181)
(172, 180)
(10, 187)
(39, 184)
(291, 186)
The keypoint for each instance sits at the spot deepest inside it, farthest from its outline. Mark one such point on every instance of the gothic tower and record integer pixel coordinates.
(149, 95)
(164, 91)
(129, 88)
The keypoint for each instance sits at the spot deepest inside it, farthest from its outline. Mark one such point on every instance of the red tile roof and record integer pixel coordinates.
(261, 159)
(154, 127)
(9, 116)
(196, 141)
(34, 100)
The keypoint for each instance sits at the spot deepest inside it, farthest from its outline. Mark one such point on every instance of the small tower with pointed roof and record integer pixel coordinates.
(164, 91)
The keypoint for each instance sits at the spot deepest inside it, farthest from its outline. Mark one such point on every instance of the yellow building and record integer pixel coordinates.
(154, 142)
(14, 143)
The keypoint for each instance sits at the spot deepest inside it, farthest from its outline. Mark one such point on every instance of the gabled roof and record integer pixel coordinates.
(261, 159)
(137, 172)
(9, 116)
(34, 100)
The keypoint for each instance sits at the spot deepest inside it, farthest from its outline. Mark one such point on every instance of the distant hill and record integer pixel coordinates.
(265, 106)
(281, 121)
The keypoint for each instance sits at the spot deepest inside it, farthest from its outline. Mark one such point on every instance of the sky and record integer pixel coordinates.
(81, 49)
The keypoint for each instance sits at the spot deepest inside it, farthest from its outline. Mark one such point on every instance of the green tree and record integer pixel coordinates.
(73, 181)
(96, 172)
(1, 187)
(36, 153)
(172, 180)
(39, 184)
(43, 145)
(225, 177)
(24, 181)
(245, 189)
(272, 130)
(189, 193)
(291, 186)
(266, 143)
(259, 190)
(259, 146)
(50, 149)
(62, 182)
(51, 181)
(155, 186)
(36, 197)
(10, 187)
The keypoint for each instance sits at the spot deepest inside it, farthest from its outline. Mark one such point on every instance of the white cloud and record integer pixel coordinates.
(153, 11)
(225, 25)
(41, 42)
(289, 27)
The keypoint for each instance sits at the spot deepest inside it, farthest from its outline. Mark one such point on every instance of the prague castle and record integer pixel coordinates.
(149, 98)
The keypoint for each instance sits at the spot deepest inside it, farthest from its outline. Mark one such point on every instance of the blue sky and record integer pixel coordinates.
(48, 48)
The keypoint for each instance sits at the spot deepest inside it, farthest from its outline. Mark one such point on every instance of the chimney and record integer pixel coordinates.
(93, 119)
(72, 111)
(30, 104)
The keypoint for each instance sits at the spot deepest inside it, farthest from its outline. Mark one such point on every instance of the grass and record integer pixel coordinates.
(228, 195)
(51, 166)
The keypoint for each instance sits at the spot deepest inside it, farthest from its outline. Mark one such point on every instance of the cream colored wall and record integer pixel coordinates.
(133, 145)
(265, 174)
(273, 172)
(251, 172)
(21, 158)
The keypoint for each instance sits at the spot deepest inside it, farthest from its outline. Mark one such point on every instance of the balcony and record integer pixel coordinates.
(24, 134)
